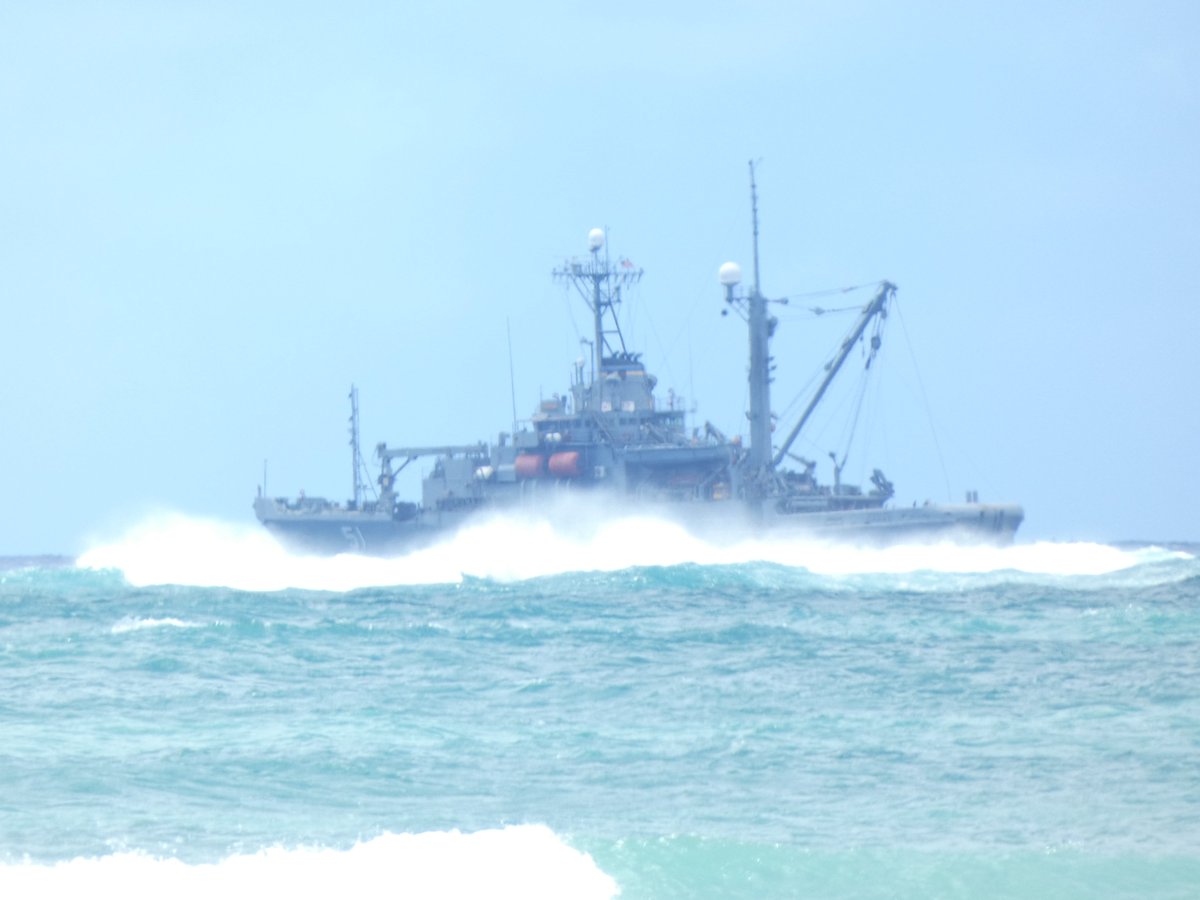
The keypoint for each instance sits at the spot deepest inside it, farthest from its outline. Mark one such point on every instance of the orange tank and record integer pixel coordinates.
(565, 464)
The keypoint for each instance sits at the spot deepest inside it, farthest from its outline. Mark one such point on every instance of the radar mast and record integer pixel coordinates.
(599, 283)
(754, 308)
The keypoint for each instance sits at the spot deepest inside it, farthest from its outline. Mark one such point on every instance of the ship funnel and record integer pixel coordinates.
(595, 239)
(730, 274)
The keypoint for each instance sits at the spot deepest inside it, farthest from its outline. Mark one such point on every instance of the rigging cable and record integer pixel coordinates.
(815, 312)
(666, 356)
(860, 392)
(571, 311)
(869, 350)
(830, 292)
(800, 395)
(924, 399)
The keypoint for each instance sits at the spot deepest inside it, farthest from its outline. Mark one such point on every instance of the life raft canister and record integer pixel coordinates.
(530, 465)
(565, 464)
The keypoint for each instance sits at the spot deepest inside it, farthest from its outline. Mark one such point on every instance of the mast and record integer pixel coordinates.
(599, 284)
(762, 326)
(599, 275)
(512, 380)
(355, 456)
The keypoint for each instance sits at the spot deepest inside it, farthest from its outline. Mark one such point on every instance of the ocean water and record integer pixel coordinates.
(190, 711)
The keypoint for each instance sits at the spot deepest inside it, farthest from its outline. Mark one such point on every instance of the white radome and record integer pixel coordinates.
(730, 274)
(595, 238)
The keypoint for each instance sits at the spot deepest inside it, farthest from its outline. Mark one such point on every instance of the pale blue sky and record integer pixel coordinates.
(216, 216)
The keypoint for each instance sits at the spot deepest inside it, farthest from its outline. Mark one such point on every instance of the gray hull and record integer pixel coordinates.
(332, 531)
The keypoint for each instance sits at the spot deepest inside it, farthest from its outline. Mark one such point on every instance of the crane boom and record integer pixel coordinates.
(870, 311)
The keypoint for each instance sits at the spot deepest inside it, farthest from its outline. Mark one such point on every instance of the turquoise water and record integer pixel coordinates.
(936, 722)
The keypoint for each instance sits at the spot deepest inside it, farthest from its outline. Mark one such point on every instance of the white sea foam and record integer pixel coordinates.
(132, 623)
(178, 549)
(526, 861)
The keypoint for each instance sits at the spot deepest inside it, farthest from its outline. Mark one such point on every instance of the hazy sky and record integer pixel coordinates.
(216, 216)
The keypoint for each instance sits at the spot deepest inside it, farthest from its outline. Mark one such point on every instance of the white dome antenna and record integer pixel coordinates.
(730, 274)
(595, 239)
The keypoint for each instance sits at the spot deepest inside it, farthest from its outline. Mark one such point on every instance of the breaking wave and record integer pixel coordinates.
(184, 550)
(526, 861)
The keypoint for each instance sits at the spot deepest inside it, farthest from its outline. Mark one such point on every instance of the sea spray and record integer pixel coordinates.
(176, 549)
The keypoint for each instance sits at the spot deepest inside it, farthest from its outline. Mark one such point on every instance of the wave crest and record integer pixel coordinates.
(178, 549)
(133, 623)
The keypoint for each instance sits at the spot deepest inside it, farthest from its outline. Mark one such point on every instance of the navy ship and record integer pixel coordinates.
(612, 442)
